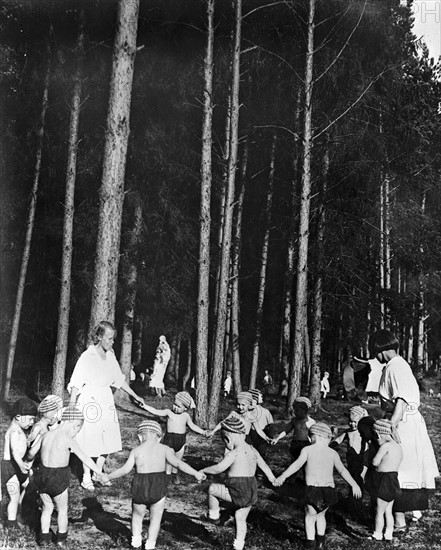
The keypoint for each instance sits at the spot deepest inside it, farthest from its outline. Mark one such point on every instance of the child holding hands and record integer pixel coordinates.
(49, 411)
(177, 421)
(149, 486)
(240, 488)
(319, 461)
(386, 487)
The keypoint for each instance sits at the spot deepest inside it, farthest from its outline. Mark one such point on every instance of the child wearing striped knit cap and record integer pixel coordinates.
(52, 477)
(319, 461)
(49, 411)
(299, 424)
(149, 485)
(178, 420)
(385, 485)
(240, 488)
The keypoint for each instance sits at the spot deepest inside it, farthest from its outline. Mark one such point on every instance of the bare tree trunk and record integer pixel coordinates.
(59, 365)
(188, 369)
(314, 385)
(201, 417)
(422, 314)
(172, 363)
(137, 343)
(216, 374)
(178, 360)
(305, 203)
(29, 231)
(131, 280)
(263, 267)
(115, 153)
(235, 261)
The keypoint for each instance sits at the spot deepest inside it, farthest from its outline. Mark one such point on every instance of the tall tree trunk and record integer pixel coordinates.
(305, 203)
(422, 314)
(216, 374)
(115, 153)
(178, 360)
(314, 385)
(172, 363)
(188, 369)
(59, 366)
(263, 267)
(29, 231)
(137, 343)
(131, 280)
(204, 238)
(235, 265)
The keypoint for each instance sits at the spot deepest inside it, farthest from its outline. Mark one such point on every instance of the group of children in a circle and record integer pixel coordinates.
(245, 432)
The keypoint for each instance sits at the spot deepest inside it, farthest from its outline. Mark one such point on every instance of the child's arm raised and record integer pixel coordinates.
(265, 468)
(381, 453)
(156, 412)
(223, 465)
(183, 466)
(16, 451)
(195, 428)
(338, 464)
(35, 447)
(295, 467)
(125, 468)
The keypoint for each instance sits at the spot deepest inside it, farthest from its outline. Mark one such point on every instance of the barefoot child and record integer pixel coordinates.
(177, 421)
(385, 480)
(240, 488)
(14, 470)
(299, 425)
(50, 413)
(52, 477)
(319, 461)
(149, 486)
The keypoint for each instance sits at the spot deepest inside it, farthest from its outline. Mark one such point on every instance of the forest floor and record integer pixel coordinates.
(101, 519)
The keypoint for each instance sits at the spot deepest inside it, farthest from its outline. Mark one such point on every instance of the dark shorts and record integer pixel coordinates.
(320, 498)
(296, 447)
(175, 441)
(149, 488)
(52, 481)
(385, 485)
(243, 491)
(9, 469)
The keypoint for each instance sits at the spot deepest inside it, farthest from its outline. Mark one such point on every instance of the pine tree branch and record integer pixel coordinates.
(262, 7)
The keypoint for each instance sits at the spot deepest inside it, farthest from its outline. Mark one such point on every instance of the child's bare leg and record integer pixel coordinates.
(46, 513)
(100, 462)
(179, 454)
(321, 522)
(216, 492)
(138, 513)
(310, 522)
(61, 505)
(379, 519)
(389, 517)
(241, 527)
(13, 488)
(156, 511)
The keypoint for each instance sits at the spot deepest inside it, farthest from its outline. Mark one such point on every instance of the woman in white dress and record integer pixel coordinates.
(162, 357)
(400, 398)
(97, 371)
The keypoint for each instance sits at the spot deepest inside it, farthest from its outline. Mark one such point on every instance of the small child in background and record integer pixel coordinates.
(14, 469)
(149, 485)
(228, 385)
(52, 477)
(262, 418)
(325, 387)
(267, 383)
(300, 424)
(49, 411)
(319, 461)
(240, 487)
(385, 481)
(177, 421)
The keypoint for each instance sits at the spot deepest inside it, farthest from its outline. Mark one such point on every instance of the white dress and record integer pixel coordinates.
(418, 468)
(94, 377)
(163, 354)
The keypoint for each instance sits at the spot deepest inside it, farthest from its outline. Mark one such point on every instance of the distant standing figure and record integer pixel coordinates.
(267, 383)
(284, 388)
(228, 384)
(325, 387)
(162, 357)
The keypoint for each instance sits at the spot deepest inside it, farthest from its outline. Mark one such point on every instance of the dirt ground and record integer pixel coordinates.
(101, 520)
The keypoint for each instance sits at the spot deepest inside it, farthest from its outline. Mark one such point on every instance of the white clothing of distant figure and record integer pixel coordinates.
(162, 357)
(228, 384)
(325, 387)
(373, 383)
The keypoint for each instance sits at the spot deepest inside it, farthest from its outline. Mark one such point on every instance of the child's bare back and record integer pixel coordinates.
(150, 457)
(55, 449)
(319, 466)
(244, 461)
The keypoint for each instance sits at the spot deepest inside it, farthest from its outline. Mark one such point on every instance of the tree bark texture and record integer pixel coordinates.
(202, 334)
(59, 366)
(187, 373)
(115, 153)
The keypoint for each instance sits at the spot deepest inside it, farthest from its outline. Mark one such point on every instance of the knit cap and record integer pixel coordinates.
(245, 395)
(24, 407)
(385, 427)
(184, 398)
(150, 426)
(70, 414)
(233, 424)
(50, 403)
(256, 394)
(321, 429)
(303, 400)
(357, 412)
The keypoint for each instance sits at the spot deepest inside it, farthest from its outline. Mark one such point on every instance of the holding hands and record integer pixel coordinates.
(200, 476)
